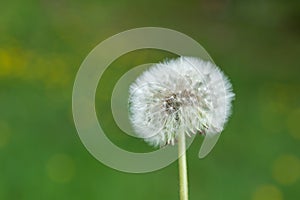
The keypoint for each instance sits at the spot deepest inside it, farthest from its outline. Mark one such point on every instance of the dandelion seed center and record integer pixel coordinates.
(171, 104)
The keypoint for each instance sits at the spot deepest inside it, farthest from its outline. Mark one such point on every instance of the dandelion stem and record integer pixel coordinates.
(183, 178)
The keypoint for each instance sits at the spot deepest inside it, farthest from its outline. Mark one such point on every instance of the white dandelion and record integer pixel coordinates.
(180, 97)
(186, 95)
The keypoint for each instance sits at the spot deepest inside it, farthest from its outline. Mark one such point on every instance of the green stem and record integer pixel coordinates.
(183, 178)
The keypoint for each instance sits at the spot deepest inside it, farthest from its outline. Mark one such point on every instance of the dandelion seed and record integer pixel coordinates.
(191, 95)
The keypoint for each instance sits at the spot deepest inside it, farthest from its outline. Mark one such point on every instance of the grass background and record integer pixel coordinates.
(42, 44)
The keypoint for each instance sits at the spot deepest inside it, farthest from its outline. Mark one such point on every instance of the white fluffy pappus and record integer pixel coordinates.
(185, 94)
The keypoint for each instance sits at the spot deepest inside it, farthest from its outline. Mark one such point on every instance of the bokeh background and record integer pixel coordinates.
(42, 44)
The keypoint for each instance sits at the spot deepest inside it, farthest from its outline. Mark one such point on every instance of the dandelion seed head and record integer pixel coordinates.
(186, 94)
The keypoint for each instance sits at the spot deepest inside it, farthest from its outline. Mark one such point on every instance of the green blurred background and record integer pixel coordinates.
(42, 44)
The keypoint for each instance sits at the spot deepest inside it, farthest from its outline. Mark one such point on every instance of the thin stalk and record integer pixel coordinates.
(183, 178)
